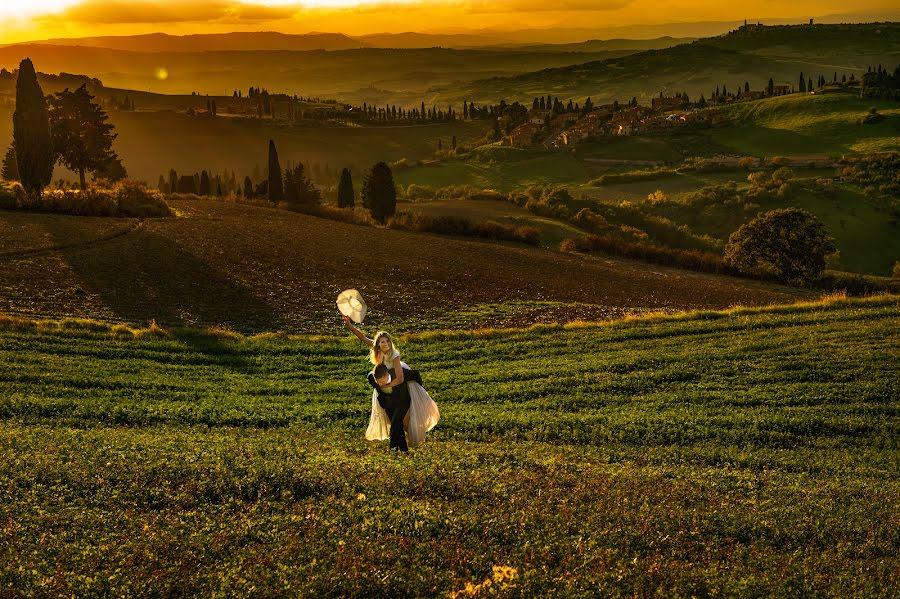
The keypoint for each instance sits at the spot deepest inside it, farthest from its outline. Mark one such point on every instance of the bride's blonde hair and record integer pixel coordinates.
(375, 352)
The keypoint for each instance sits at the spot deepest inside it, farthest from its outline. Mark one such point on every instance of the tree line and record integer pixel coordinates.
(292, 186)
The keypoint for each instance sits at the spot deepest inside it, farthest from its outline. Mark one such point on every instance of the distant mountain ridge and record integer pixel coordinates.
(271, 41)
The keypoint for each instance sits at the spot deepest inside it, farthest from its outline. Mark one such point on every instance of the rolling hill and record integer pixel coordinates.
(808, 125)
(252, 268)
(781, 53)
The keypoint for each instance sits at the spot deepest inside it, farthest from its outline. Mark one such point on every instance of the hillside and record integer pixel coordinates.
(801, 124)
(255, 269)
(708, 453)
(150, 143)
(702, 66)
(373, 75)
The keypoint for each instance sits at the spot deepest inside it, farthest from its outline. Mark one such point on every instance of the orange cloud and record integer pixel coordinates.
(117, 11)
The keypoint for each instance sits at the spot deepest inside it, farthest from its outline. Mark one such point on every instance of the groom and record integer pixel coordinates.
(394, 400)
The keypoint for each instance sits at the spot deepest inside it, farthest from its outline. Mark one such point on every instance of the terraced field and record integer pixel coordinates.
(751, 452)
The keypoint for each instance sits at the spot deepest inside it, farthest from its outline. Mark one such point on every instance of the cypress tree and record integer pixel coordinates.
(802, 83)
(173, 181)
(31, 131)
(10, 170)
(248, 188)
(276, 189)
(379, 193)
(204, 184)
(161, 185)
(345, 194)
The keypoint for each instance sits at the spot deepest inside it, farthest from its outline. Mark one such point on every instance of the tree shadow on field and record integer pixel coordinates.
(144, 276)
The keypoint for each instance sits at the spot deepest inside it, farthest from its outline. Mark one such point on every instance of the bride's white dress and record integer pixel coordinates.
(423, 413)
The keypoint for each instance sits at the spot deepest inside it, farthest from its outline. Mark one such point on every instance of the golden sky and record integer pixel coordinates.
(22, 20)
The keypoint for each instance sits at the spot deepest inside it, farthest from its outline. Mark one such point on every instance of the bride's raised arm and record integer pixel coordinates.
(370, 343)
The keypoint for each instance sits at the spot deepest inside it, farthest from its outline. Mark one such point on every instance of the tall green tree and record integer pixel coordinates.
(82, 137)
(31, 131)
(345, 193)
(791, 242)
(276, 185)
(10, 170)
(111, 170)
(379, 193)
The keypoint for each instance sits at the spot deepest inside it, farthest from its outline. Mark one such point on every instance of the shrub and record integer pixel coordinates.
(136, 199)
(632, 176)
(608, 244)
(12, 195)
(896, 272)
(747, 163)
(591, 221)
(419, 192)
(791, 243)
(457, 225)
(344, 215)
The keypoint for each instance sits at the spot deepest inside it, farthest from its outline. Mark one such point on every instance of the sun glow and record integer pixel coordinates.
(22, 10)
(310, 3)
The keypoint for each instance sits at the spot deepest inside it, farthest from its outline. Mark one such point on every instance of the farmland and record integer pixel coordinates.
(257, 269)
(706, 453)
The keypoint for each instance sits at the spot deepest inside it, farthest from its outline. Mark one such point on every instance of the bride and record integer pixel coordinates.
(423, 412)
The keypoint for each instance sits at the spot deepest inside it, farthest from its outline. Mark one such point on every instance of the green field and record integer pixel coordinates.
(698, 455)
(501, 168)
(805, 125)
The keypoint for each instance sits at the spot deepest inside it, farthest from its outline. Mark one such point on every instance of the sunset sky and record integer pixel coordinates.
(22, 20)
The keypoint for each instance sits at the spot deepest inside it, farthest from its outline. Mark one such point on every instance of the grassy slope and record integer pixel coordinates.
(704, 454)
(803, 124)
(152, 143)
(501, 168)
(261, 269)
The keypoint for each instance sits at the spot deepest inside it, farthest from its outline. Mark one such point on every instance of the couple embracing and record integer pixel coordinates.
(400, 405)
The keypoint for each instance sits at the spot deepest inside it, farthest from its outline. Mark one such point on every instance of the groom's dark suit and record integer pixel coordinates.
(396, 404)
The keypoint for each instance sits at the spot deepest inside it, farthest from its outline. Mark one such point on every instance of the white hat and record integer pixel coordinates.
(350, 303)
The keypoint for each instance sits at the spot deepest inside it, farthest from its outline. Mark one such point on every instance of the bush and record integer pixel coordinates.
(126, 198)
(896, 272)
(136, 199)
(632, 176)
(608, 244)
(12, 195)
(790, 243)
(419, 192)
(344, 215)
(457, 225)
